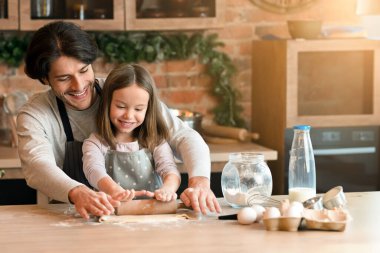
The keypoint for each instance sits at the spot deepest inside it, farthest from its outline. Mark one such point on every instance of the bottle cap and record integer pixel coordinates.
(302, 127)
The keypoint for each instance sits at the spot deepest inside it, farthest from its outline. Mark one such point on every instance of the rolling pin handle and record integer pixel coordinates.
(255, 136)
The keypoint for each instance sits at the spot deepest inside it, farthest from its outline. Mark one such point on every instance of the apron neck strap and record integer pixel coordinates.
(65, 120)
(97, 87)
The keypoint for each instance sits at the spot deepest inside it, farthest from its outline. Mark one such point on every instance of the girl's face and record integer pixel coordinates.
(127, 111)
(72, 81)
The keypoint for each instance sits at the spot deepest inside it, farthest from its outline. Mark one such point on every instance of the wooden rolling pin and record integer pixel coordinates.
(236, 133)
(148, 206)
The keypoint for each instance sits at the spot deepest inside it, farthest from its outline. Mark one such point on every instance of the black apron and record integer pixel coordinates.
(73, 164)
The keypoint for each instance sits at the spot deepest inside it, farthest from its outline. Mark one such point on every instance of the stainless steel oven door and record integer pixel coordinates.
(346, 156)
(354, 168)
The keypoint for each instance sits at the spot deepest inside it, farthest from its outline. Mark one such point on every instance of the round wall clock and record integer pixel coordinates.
(282, 6)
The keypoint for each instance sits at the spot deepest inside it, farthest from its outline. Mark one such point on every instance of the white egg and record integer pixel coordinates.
(285, 203)
(246, 216)
(297, 205)
(271, 212)
(293, 211)
(259, 211)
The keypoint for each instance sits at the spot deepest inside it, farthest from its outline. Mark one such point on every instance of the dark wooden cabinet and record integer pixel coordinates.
(114, 15)
(16, 192)
(9, 15)
(174, 15)
(101, 15)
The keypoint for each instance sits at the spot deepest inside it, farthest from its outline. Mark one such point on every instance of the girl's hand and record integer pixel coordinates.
(165, 194)
(124, 195)
(142, 193)
(127, 195)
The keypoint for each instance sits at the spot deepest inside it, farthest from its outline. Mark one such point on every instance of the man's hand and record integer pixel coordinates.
(199, 196)
(87, 202)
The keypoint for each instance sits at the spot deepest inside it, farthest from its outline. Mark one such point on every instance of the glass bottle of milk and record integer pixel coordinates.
(302, 178)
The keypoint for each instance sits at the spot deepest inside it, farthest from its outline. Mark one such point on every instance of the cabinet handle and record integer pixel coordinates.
(2, 173)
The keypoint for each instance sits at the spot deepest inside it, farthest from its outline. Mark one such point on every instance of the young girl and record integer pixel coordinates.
(130, 151)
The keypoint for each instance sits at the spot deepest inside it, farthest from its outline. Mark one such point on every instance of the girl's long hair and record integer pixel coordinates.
(153, 131)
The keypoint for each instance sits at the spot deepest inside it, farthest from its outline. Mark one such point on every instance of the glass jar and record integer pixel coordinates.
(243, 173)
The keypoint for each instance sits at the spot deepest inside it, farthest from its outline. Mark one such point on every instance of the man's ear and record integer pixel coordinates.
(45, 81)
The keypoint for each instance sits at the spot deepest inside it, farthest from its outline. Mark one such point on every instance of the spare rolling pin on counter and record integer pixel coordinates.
(235, 133)
(148, 206)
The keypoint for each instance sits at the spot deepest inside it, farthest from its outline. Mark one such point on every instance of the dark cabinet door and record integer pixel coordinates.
(16, 192)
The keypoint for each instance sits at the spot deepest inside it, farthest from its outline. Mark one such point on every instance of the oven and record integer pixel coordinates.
(346, 156)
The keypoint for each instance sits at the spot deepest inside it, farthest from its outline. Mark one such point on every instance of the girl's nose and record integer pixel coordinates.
(127, 114)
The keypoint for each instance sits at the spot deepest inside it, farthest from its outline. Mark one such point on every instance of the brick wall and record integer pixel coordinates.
(184, 84)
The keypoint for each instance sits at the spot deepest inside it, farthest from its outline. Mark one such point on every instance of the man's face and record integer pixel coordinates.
(72, 81)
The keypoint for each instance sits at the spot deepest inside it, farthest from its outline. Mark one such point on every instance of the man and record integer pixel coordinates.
(52, 125)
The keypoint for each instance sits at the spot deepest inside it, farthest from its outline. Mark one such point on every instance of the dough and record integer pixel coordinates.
(119, 219)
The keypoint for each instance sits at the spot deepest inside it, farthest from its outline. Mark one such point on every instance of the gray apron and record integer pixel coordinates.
(133, 170)
(72, 163)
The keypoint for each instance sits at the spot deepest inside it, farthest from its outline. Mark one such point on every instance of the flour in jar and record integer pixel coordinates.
(236, 197)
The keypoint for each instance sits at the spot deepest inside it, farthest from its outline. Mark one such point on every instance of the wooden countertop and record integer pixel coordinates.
(31, 228)
(10, 161)
(219, 153)
(9, 158)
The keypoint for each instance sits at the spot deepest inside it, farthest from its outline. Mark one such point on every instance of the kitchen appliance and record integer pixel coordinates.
(321, 83)
(345, 156)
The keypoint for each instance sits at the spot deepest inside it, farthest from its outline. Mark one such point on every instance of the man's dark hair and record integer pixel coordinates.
(54, 40)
